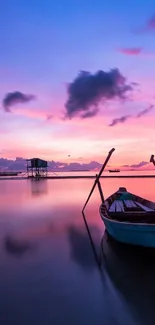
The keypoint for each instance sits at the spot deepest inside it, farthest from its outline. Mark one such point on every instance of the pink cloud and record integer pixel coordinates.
(85, 140)
(43, 111)
(49, 117)
(33, 113)
(136, 51)
(131, 51)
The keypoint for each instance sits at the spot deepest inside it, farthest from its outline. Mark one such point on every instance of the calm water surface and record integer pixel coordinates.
(48, 274)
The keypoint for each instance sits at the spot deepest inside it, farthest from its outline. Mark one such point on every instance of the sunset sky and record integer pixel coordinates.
(44, 46)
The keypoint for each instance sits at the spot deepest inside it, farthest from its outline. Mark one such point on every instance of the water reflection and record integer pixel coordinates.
(39, 187)
(16, 247)
(80, 246)
(60, 282)
(132, 272)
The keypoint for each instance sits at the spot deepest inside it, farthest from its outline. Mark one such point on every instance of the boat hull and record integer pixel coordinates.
(128, 233)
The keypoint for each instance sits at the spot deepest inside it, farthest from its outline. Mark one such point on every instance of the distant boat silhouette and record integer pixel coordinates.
(114, 170)
(9, 173)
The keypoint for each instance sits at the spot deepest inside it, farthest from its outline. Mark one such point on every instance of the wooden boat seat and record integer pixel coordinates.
(123, 206)
(119, 206)
(130, 204)
(116, 206)
(133, 211)
(144, 207)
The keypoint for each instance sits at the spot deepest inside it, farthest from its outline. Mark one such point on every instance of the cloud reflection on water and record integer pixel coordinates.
(16, 247)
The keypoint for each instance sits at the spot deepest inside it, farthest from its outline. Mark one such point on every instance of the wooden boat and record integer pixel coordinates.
(129, 218)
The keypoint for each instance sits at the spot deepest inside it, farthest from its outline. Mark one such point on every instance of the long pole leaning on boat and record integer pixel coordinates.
(98, 176)
(152, 160)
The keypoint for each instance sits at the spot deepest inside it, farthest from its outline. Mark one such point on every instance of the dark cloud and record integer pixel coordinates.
(87, 91)
(135, 84)
(150, 25)
(54, 166)
(145, 111)
(141, 164)
(14, 98)
(121, 119)
(131, 51)
(124, 118)
(90, 113)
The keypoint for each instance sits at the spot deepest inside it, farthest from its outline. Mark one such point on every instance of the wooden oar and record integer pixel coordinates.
(99, 175)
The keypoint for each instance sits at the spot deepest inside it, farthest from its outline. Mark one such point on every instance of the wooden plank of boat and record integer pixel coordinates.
(144, 207)
(130, 204)
(116, 206)
(112, 207)
(119, 206)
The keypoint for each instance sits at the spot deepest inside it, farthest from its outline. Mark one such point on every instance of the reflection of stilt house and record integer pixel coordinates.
(36, 167)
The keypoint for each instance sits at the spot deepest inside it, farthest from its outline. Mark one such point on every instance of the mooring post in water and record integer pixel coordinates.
(98, 176)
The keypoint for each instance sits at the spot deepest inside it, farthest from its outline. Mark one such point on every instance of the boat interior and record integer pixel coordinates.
(125, 206)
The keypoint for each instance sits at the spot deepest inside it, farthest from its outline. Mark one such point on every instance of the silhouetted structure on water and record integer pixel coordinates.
(36, 167)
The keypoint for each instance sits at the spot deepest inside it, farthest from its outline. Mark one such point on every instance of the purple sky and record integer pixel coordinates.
(44, 45)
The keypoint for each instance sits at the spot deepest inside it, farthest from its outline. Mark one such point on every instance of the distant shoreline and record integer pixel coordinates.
(79, 177)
